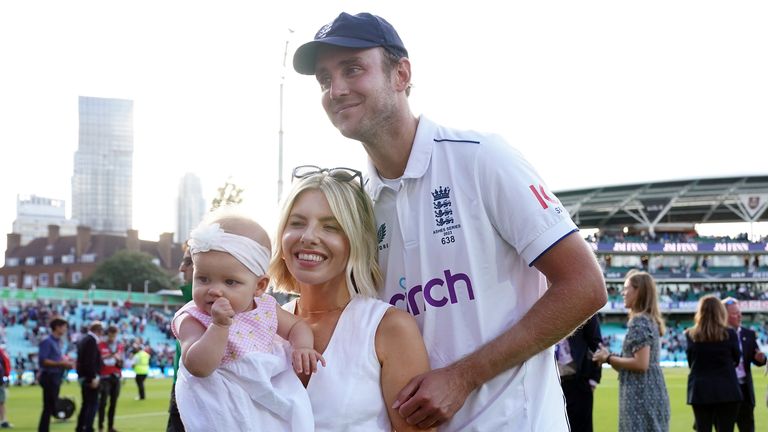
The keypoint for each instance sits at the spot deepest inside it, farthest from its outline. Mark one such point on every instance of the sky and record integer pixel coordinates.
(592, 93)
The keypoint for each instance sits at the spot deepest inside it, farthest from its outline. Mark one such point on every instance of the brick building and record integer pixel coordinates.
(65, 260)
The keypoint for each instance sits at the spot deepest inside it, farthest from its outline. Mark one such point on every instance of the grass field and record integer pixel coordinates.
(24, 404)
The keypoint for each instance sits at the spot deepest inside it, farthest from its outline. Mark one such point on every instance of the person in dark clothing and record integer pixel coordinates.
(750, 354)
(174, 418)
(713, 351)
(52, 368)
(88, 368)
(579, 374)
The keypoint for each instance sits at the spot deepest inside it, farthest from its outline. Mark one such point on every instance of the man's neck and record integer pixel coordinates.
(390, 151)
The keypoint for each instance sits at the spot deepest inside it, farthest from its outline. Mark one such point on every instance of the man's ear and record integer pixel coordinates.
(402, 74)
(262, 285)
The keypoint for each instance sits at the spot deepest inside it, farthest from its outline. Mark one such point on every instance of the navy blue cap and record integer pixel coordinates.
(363, 30)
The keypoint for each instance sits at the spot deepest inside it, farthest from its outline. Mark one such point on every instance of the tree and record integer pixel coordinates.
(129, 267)
(228, 194)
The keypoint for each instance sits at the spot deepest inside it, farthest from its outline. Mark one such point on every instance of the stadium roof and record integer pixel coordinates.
(669, 204)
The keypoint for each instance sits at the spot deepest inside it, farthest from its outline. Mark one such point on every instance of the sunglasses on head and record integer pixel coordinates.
(338, 173)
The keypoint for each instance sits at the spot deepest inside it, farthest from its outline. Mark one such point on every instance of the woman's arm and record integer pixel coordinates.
(402, 355)
(299, 334)
(639, 362)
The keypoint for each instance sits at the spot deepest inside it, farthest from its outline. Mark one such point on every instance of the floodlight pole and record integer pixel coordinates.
(280, 133)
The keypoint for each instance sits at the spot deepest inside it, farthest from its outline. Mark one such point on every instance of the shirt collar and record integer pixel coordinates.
(418, 160)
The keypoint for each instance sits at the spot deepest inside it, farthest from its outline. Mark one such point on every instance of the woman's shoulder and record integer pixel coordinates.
(398, 323)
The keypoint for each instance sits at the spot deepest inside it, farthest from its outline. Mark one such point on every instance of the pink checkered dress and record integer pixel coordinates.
(252, 331)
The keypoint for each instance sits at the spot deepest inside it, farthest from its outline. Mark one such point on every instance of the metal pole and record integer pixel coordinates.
(280, 133)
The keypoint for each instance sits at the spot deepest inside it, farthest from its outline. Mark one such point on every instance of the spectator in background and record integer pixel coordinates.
(88, 368)
(185, 268)
(141, 368)
(749, 354)
(713, 351)
(5, 373)
(53, 365)
(579, 374)
(112, 359)
(643, 398)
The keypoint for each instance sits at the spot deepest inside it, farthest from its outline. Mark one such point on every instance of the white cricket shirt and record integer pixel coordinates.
(456, 243)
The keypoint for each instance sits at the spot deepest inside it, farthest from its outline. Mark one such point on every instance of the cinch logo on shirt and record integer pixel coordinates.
(412, 295)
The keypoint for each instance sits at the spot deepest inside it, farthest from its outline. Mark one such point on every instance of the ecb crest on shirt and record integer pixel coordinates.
(445, 220)
(381, 234)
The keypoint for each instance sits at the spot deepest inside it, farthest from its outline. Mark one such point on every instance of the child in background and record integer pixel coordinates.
(234, 373)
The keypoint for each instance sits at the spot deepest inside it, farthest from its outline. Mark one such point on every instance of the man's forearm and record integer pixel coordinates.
(553, 317)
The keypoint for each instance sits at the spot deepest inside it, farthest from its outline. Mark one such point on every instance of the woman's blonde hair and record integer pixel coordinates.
(710, 324)
(647, 301)
(353, 210)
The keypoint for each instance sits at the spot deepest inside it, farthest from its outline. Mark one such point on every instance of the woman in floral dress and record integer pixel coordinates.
(643, 398)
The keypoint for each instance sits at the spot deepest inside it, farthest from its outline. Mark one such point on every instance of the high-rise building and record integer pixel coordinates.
(102, 182)
(34, 214)
(190, 207)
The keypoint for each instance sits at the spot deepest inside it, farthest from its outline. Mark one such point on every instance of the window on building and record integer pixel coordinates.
(12, 281)
(2, 281)
(42, 280)
(156, 261)
(76, 276)
(47, 260)
(12, 262)
(88, 258)
(29, 261)
(67, 259)
(29, 280)
(58, 279)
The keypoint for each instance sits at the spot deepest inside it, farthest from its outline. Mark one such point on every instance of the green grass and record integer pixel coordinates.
(24, 404)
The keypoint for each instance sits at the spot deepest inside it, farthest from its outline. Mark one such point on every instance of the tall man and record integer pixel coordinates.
(88, 368)
(750, 354)
(53, 366)
(469, 235)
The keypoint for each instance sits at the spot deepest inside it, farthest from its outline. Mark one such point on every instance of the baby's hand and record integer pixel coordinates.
(222, 312)
(305, 360)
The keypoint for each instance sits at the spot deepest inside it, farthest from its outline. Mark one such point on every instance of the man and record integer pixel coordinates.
(88, 368)
(579, 375)
(112, 353)
(5, 373)
(463, 220)
(141, 368)
(750, 354)
(186, 270)
(53, 366)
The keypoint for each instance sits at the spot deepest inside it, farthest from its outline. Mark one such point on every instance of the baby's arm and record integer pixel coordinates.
(299, 334)
(202, 349)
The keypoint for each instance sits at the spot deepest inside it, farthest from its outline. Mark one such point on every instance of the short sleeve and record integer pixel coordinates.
(641, 333)
(520, 206)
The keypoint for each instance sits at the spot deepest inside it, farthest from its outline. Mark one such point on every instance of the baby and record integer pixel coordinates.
(234, 373)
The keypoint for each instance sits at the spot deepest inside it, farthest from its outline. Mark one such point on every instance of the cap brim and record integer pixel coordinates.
(305, 56)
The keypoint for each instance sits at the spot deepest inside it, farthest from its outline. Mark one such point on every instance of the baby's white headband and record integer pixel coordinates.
(213, 237)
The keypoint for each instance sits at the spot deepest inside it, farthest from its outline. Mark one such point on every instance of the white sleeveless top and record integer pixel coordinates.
(346, 395)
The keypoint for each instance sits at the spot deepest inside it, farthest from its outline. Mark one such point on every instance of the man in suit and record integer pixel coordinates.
(579, 375)
(750, 354)
(88, 368)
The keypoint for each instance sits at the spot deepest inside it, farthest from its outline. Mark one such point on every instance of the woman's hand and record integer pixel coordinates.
(601, 355)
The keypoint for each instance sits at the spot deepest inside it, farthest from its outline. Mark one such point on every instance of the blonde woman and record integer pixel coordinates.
(326, 252)
(643, 398)
(713, 354)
